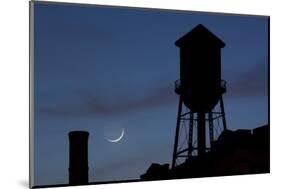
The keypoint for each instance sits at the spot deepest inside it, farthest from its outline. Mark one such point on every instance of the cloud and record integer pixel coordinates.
(85, 103)
(251, 83)
(95, 105)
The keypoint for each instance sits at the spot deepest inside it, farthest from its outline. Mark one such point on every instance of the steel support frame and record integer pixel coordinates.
(189, 150)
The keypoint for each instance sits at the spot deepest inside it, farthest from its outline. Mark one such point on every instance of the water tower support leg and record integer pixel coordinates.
(211, 128)
(223, 114)
(201, 132)
(177, 132)
(190, 135)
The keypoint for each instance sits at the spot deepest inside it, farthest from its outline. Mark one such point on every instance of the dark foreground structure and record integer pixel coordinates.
(200, 89)
(78, 157)
(234, 153)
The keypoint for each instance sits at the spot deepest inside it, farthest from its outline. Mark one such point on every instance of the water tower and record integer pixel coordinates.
(200, 89)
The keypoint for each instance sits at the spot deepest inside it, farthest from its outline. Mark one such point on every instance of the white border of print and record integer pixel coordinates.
(14, 95)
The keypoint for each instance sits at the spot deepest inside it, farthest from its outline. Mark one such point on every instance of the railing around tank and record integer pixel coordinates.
(223, 86)
(178, 86)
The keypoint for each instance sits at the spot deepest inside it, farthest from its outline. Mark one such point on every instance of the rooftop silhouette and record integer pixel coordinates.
(234, 153)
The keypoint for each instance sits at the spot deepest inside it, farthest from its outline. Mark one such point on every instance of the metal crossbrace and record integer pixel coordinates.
(187, 119)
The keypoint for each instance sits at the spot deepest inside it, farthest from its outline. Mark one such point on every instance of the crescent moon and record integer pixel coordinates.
(119, 138)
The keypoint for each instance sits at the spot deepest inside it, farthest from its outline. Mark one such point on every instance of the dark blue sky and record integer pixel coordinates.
(98, 67)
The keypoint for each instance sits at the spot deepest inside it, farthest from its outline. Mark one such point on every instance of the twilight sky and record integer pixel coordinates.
(101, 69)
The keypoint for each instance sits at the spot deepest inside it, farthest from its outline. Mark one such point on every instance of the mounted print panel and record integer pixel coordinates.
(124, 94)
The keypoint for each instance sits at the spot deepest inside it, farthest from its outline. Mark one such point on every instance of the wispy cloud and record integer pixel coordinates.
(253, 82)
(95, 105)
(250, 83)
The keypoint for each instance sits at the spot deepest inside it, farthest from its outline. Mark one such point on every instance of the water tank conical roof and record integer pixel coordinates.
(199, 35)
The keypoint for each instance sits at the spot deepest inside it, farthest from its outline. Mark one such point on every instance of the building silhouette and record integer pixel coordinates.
(234, 153)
